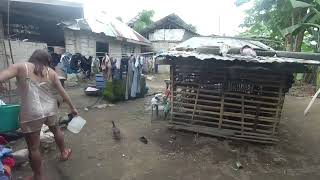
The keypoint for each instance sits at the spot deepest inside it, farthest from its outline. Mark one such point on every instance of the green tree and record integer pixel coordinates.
(282, 20)
(144, 20)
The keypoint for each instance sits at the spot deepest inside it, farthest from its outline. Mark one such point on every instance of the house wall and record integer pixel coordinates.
(160, 46)
(167, 35)
(115, 49)
(85, 43)
(22, 51)
(80, 42)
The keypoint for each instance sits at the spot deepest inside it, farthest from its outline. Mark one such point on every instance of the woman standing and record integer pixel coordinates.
(36, 85)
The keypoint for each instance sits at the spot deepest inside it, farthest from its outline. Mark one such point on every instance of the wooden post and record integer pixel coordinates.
(195, 104)
(222, 99)
(256, 119)
(242, 114)
(221, 109)
(173, 84)
(279, 107)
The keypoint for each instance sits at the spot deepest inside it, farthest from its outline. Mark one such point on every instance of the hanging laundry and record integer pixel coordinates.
(116, 69)
(129, 77)
(134, 86)
(140, 65)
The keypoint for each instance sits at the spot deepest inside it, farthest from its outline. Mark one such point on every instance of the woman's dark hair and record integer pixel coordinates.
(40, 58)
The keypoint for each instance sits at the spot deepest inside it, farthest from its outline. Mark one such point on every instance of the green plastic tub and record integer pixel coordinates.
(9, 118)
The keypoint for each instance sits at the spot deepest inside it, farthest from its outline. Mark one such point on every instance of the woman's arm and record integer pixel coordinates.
(64, 94)
(10, 72)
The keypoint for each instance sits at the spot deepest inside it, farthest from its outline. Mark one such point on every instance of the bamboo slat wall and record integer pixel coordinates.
(228, 102)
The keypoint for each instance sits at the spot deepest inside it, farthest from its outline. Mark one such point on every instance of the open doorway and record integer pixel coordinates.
(101, 49)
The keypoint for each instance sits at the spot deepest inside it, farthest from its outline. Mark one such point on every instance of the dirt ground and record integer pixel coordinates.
(180, 155)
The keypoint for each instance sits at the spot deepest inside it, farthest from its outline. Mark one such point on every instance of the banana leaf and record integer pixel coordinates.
(290, 30)
(300, 4)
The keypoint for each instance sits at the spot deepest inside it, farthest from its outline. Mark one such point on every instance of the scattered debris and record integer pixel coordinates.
(239, 165)
(21, 156)
(150, 78)
(101, 106)
(45, 136)
(144, 140)
(173, 137)
(303, 90)
(115, 131)
(279, 160)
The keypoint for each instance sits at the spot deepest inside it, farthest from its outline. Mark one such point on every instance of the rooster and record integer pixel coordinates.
(115, 131)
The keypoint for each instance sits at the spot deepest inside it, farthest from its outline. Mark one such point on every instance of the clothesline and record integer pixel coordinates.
(144, 53)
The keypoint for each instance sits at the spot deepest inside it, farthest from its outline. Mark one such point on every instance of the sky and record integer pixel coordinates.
(204, 14)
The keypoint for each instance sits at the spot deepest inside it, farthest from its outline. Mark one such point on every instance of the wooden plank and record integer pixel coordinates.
(257, 137)
(242, 114)
(221, 111)
(279, 107)
(195, 103)
(226, 126)
(248, 106)
(248, 116)
(215, 132)
(197, 110)
(252, 96)
(256, 119)
(180, 83)
(227, 113)
(172, 69)
(237, 94)
(251, 101)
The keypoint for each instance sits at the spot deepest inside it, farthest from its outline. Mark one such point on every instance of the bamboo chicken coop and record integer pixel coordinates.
(236, 97)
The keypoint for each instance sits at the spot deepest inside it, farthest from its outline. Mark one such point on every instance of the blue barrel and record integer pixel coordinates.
(100, 83)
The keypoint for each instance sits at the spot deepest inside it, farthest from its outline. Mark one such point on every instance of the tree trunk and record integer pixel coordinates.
(287, 42)
(298, 41)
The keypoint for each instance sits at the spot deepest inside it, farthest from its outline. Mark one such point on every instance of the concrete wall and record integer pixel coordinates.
(22, 51)
(137, 48)
(80, 42)
(159, 46)
(167, 35)
(85, 43)
(115, 49)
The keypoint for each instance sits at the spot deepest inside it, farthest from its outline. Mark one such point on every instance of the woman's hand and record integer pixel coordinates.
(74, 111)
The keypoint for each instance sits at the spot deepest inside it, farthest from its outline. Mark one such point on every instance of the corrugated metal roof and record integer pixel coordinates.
(109, 26)
(260, 59)
(52, 2)
(171, 18)
(198, 42)
(192, 48)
